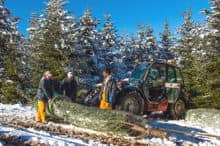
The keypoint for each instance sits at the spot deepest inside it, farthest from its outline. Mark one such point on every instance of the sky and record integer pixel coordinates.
(126, 14)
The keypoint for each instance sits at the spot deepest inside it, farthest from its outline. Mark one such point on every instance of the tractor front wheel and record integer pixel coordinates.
(133, 103)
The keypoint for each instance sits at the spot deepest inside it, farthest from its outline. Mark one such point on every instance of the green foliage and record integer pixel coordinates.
(211, 69)
(109, 121)
(11, 59)
(167, 39)
(184, 52)
(47, 52)
(199, 59)
(9, 93)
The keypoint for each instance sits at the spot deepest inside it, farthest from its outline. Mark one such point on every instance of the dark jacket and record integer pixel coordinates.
(45, 89)
(111, 90)
(69, 88)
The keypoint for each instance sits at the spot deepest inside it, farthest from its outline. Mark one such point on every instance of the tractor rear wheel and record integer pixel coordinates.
(177, 109)
(133, 103)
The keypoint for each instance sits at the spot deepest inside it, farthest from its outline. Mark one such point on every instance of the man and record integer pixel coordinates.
(44, 94)
(69, 86)
(108, 92)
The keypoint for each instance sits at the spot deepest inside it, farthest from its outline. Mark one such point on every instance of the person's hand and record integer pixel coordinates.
(49, 100)
(110, 100)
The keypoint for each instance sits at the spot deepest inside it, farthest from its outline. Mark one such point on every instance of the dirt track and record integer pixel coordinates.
(54, 129)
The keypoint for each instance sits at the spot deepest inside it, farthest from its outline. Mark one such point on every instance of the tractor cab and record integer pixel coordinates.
(154, 86)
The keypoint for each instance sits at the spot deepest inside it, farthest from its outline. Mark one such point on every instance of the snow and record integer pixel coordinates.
(190, 127)
(197, 137)
(42, 137)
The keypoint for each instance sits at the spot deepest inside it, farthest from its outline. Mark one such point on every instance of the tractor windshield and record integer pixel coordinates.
(138, 73)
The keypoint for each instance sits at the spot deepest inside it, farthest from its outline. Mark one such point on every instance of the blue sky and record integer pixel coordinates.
(126, 14)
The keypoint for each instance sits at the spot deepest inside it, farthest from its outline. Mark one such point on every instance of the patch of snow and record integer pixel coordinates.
(19, 111)
(43, 137)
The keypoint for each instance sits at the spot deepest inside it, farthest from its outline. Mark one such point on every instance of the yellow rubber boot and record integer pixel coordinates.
(41, 116)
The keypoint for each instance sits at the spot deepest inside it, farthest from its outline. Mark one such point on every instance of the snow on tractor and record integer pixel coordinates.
(153, 86)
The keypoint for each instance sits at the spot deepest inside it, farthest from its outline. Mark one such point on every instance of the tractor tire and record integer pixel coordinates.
(133, 103)
(177, 109)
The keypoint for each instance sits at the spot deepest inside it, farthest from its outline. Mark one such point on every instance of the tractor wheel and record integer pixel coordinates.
(177, 109)
(133, 103)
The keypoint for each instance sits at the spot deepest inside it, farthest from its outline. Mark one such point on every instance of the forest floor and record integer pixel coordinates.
(181, 132)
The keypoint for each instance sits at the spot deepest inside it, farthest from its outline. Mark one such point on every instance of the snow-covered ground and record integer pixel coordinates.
(187, 132)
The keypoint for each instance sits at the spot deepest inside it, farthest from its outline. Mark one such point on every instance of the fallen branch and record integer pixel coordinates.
(148, 131)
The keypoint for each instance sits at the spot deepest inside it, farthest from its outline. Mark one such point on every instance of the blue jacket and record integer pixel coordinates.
(111, 90)
(45, 89)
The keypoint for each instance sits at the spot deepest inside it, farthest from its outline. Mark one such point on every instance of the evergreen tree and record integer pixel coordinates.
(140, 51)
(211, 65)
(150, 43)
(213, 22)
(183, 51)
(88, 33)
(214, 65)
(51, 40)
(109, 36)
(189, 53)
(166, 43)
(11, 58)
(89, 42)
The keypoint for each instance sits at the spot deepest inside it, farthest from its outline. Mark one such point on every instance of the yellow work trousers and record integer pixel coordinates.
(41, 107)
(104, 104)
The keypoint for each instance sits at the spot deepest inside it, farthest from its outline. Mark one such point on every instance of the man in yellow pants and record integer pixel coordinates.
(107, 95)
(44, 94)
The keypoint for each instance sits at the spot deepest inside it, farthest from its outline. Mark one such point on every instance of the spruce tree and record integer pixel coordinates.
(140, 51)
(89, 42)
(109, 36)
(51, 41)
(150, 43)
(212, 54)
(184, 50)
(166, 42)
(214, 65)
(88, 33)
(11, 58)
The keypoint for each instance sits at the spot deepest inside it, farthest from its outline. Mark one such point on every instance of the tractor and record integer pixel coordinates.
(153, 86)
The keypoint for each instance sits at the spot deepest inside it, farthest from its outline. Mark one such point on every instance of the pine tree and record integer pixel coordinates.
(166, 43)
(214, 65)
(139, 46)
(213, 22)
(212, 59)
(11, 58)
(51, 40)
(109, 36)
(184, 50)
(88, 33)
(150, 43)
(89, 42)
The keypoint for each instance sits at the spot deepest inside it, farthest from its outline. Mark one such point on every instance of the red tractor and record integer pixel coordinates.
(154, 86)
